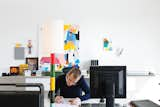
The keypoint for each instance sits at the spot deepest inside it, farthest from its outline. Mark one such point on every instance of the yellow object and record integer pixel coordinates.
(22, 67)
(69, 46)
(59, 67)
(67, 27)
(52, 84)
(18, 45)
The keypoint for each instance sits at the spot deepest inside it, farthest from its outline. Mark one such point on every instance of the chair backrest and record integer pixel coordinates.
(22, 98)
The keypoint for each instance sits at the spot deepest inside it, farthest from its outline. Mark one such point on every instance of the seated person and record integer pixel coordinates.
(71, 85)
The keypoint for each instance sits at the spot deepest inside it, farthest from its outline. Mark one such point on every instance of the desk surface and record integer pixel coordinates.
(87, 103)
(65, 104)
(47, 104)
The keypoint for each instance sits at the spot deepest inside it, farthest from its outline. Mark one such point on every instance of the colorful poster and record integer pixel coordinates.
(107, 44)
(71, 45)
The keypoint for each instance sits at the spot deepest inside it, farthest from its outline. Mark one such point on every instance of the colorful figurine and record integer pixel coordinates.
(29, 46)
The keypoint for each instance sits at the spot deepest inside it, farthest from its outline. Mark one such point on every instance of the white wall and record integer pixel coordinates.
(131, 24)
(16, 25)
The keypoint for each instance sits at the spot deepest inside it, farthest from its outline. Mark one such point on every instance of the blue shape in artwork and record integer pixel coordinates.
(77, 61)
(65, 56)
(70, 65)
(65, 42)
(106, 44)
(71, 37)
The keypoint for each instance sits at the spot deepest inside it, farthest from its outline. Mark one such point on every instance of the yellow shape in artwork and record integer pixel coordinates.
(65, 47)
(69, 46)
(67, 27)
(72, 28)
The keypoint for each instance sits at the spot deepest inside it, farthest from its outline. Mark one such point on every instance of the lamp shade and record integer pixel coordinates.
(51, 38)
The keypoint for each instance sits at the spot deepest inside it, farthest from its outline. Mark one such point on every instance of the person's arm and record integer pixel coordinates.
(57, 85)
(58, 98)
(86, 90)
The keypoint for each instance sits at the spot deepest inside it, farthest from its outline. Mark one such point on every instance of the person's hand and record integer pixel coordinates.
(75, 101)
(59, 99)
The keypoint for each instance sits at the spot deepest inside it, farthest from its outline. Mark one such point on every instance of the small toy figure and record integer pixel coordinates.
(29, 46)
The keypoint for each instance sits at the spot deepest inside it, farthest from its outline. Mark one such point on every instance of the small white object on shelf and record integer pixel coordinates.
(27, 72)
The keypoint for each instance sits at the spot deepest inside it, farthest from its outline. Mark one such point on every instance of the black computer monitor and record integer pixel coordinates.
(108, 82)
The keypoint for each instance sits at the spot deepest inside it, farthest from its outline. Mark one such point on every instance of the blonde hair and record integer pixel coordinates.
(75, 71)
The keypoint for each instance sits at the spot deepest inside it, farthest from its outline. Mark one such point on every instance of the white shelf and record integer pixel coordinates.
(140, 74)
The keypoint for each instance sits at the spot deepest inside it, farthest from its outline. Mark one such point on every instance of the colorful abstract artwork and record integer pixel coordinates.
(107, 44)
(71, 45)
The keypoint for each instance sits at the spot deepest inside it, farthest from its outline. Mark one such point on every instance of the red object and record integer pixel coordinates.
(48, 60)
(45, 60)
(53, 59)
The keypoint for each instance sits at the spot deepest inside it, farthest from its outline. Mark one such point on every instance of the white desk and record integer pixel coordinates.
(47, 102)
(87, 103)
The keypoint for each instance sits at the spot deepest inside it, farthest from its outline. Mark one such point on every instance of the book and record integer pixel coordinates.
(143, 103)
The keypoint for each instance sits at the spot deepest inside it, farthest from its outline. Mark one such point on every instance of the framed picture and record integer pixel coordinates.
(32, 63)
(14, 70)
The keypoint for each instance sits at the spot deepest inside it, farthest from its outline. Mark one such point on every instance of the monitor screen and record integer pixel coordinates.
(102, 76)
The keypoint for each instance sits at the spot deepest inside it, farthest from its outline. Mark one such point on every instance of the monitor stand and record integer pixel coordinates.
(101, 100)
(109, 101)
(110, 93)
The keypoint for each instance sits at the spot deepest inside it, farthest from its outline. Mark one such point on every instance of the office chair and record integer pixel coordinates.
(22, 98)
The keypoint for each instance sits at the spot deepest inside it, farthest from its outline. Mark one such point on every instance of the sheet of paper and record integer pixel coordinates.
(65, 105)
